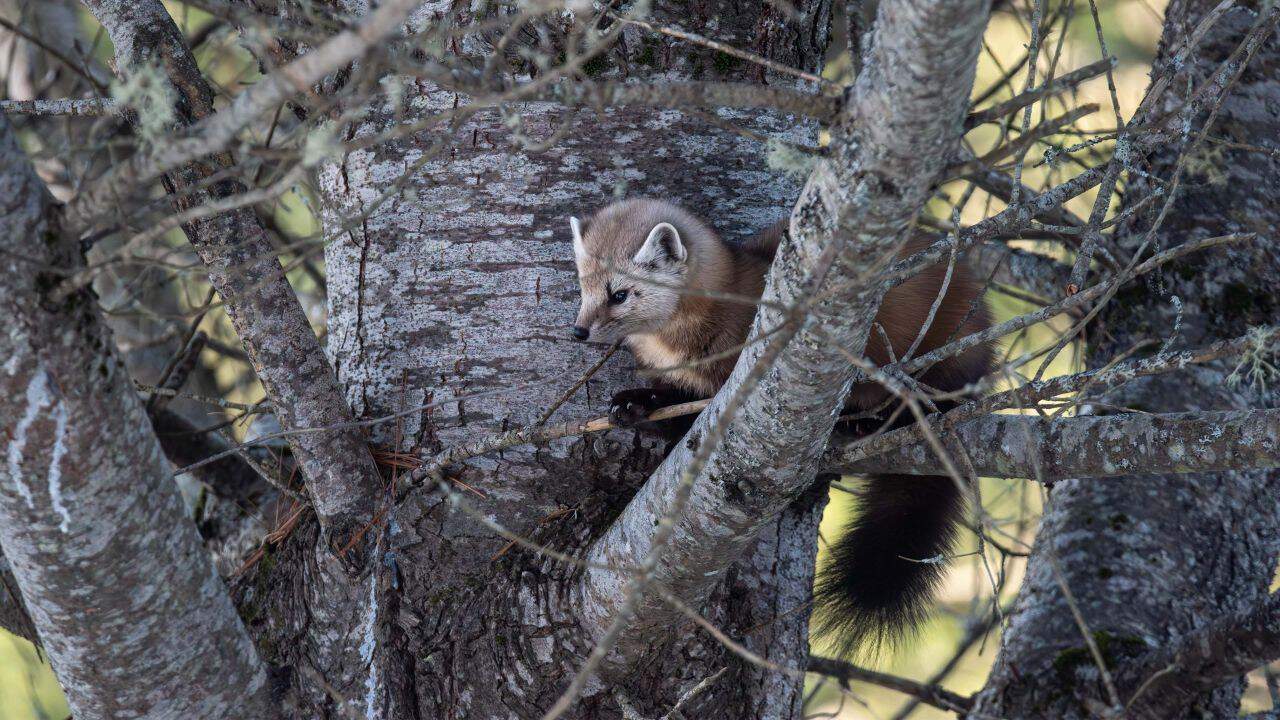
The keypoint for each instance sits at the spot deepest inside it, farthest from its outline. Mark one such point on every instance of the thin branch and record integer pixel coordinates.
(934, 695)
(1209, 93)
(216, 132)
(1060, 84)
(87, 107)
(728, 50)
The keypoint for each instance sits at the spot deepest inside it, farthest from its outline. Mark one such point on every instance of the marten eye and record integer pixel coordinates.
(618, 297)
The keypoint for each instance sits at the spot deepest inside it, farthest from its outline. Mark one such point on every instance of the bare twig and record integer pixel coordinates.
(90, 107)
(929, 694)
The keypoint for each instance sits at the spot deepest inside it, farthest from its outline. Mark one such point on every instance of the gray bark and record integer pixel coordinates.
(1220, 651)
(1017, 446)
(1151, 560)
(134, 618)
(466, 286)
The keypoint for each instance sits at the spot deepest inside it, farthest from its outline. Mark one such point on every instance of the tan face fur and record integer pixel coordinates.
(632, 263)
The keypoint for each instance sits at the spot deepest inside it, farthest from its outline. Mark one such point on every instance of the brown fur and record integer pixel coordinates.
(703, 327)
(874, 587)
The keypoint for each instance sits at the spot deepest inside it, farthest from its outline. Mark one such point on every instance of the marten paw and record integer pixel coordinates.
(860, 427)
(631, 407)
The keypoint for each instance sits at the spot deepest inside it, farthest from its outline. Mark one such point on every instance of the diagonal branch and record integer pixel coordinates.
(1171, 678)
(1054, 86)
(215, 132)
(286, 355)
(709, 500)
(934, 695)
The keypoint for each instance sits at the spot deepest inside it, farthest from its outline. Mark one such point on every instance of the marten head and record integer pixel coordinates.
(635, 259)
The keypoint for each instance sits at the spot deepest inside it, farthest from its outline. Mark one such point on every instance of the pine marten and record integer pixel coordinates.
(649, 272)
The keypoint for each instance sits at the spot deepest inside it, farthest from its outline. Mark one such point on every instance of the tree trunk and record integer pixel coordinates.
(1149, 559)
(460, 290)
(111, 571)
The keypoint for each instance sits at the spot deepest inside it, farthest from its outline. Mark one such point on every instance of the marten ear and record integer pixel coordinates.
(579, 250)
(662, 245)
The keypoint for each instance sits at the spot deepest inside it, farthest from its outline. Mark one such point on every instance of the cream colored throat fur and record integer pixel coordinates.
(656, 354)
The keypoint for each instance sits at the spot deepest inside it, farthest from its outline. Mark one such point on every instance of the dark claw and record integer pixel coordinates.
(632, 407)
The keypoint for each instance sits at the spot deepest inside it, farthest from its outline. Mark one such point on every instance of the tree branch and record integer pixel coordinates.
(1053, 87)
(342, 479)
(90, 107)
(707, 502)
(230, 478)
(934, 695)
(1022, 446)
(127, 604)
(1173, 677)
(217, 131)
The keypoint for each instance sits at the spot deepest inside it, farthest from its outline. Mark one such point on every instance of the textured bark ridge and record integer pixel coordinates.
(463, 285)
(111, 569)
(1149, 559)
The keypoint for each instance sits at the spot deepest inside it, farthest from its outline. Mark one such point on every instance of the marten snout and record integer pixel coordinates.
(579, 333)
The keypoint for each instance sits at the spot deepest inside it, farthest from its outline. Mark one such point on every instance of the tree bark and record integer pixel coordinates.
(1019, 446)
(134, 618)
(1150, 560)
(464, 285)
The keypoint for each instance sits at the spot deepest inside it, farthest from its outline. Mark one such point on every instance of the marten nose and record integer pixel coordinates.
(580, 333)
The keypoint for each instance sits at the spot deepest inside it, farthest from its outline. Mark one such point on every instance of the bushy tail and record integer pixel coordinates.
(874, 590)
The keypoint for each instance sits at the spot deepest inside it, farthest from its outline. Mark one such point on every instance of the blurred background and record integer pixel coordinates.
(959, 644)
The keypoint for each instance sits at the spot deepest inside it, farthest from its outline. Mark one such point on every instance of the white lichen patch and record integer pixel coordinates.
(55, 467)
(146, 91)
(1256, 368)
(38, 398)
(368, 645)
